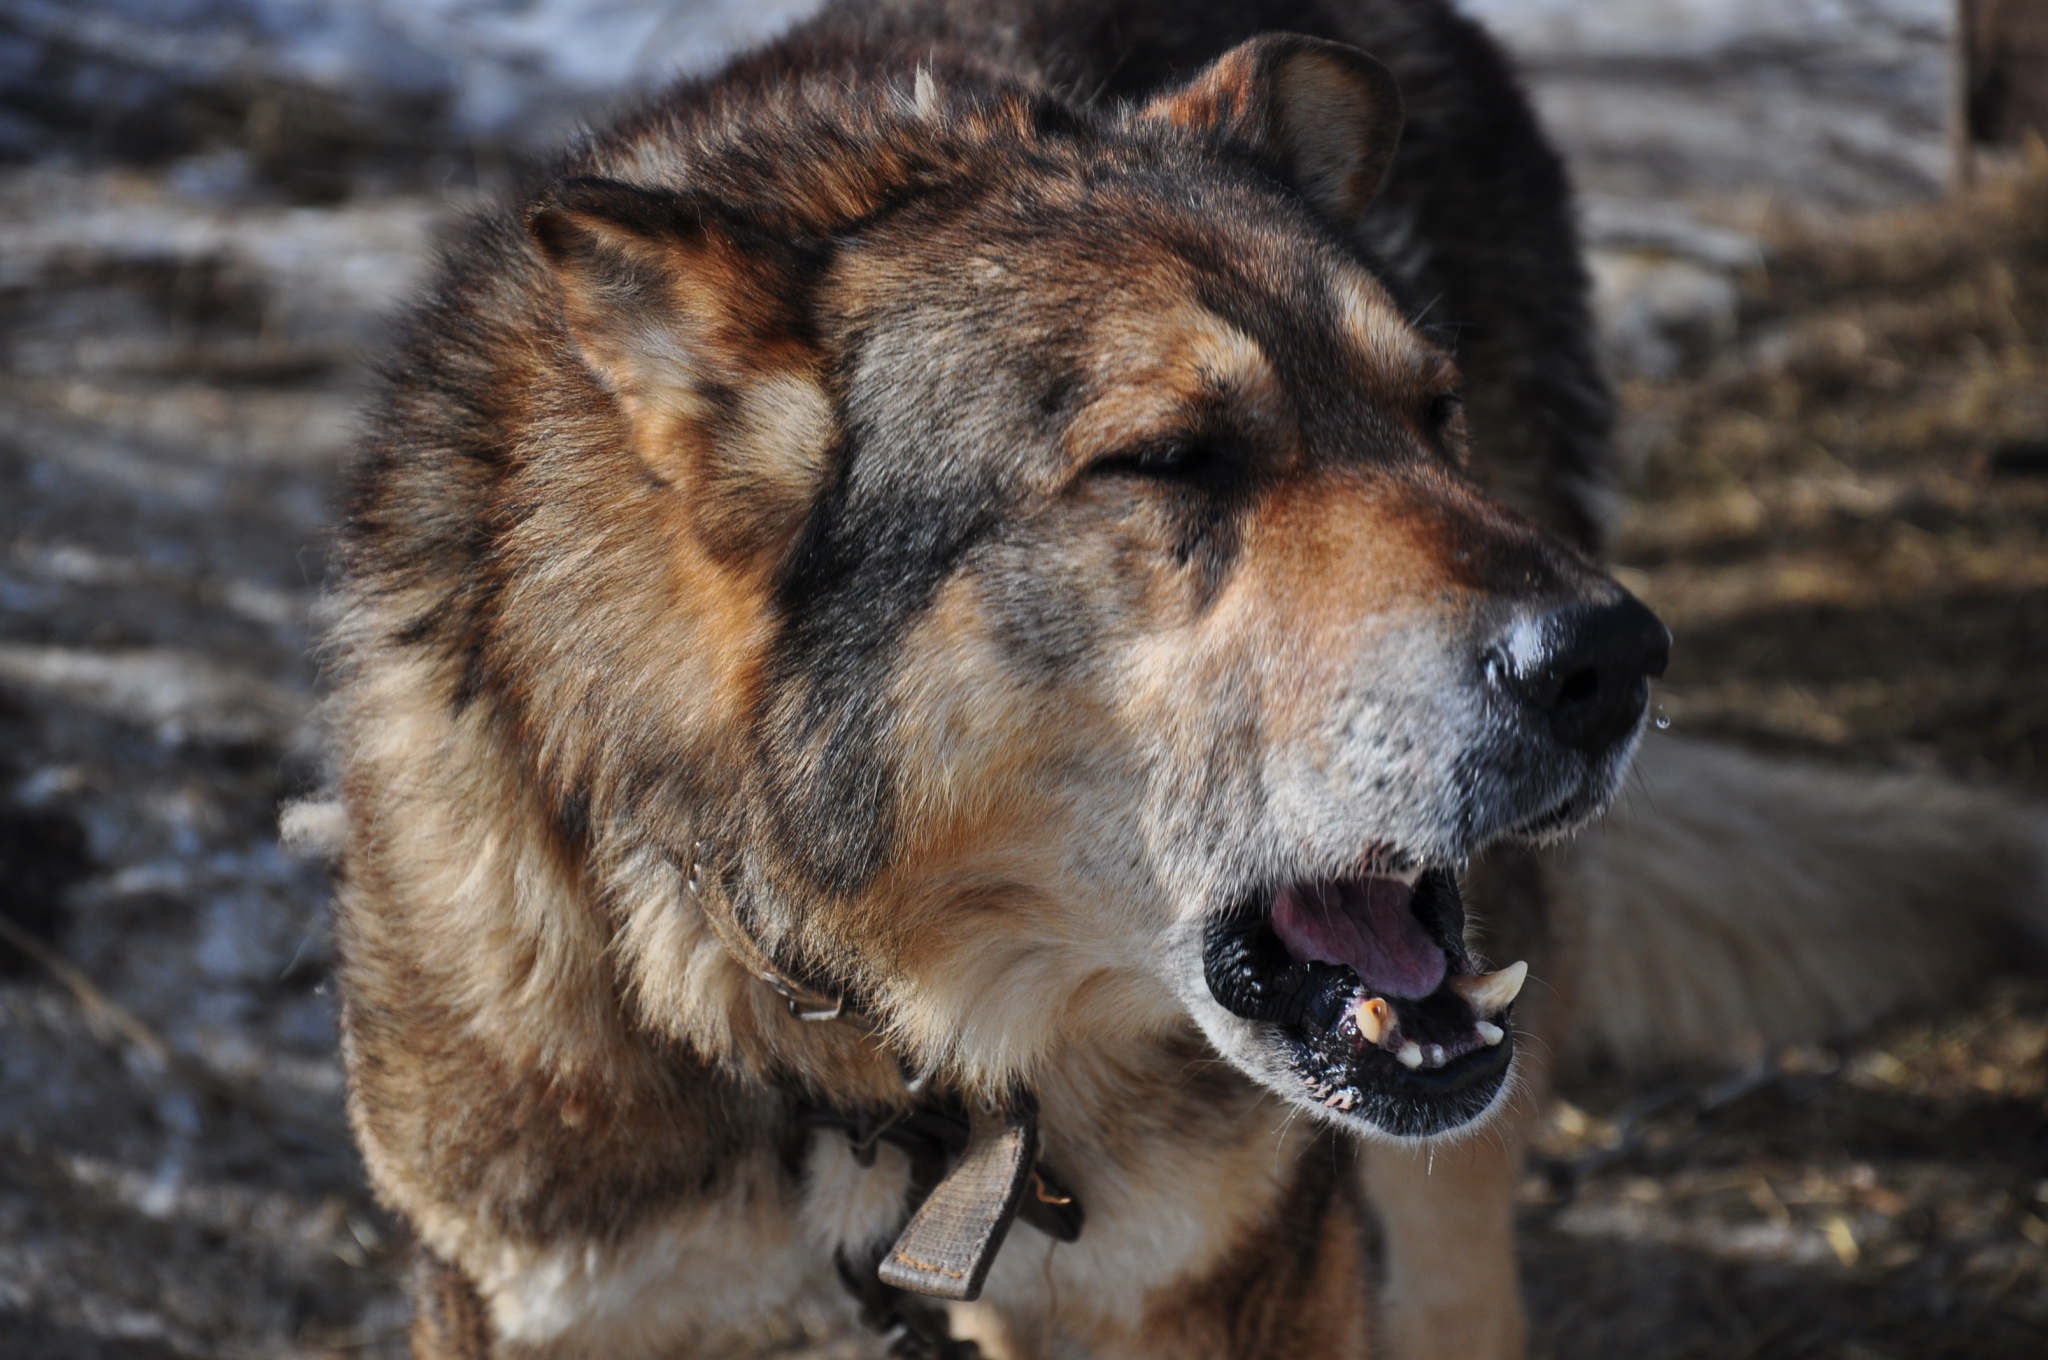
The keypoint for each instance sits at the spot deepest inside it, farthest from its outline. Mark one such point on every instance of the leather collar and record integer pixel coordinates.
(960, 1219)
(805, 1002)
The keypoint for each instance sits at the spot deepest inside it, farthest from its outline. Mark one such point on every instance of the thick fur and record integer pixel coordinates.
(981, 486)
(1729, 902)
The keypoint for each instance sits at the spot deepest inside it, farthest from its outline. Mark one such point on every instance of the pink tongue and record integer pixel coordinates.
(1365, 923)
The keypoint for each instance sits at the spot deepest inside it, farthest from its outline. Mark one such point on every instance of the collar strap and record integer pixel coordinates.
(946, 1249)
(805, 1003)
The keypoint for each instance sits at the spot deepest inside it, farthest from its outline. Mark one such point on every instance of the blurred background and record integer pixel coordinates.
(1819, 230)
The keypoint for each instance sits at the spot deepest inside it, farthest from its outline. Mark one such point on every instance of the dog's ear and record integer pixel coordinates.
(696, 321)
(1324, 116)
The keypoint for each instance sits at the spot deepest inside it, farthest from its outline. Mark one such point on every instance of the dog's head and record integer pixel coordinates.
(1066, 540)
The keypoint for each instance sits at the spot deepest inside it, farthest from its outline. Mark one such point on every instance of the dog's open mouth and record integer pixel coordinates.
(1370, 984)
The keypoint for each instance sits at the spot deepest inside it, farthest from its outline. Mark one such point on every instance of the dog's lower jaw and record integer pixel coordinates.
(1278, 1062)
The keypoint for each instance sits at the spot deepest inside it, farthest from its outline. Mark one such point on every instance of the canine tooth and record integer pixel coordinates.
(1491, 992)
(1410, 1055)
(1434, 1055)
(1370, 1019)
(1493, 1034)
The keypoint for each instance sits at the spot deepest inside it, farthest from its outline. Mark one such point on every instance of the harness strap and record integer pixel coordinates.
(932, 1134)
(949, 1244)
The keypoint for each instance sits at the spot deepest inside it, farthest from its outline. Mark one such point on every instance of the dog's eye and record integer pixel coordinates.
(1173, 461)
(1443, 408)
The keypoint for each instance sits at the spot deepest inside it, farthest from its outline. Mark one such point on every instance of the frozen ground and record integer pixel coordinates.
(176, 400)
(1843, 101)
(210, 204)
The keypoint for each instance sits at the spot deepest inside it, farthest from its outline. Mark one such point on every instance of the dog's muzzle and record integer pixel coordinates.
(1369, 987)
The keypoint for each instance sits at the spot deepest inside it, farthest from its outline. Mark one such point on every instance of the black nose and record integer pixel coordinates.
(1585, 670)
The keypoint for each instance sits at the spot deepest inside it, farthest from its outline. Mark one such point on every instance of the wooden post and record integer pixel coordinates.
(1999, 78)
(1962, 145)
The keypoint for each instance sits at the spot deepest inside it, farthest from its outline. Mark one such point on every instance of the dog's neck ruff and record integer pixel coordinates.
(959, 1220)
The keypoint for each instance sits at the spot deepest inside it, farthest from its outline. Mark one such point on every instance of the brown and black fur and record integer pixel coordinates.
(1472, 228)
(780, 491)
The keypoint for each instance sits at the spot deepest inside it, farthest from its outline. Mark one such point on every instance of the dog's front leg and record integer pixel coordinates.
(1447, 1215)
(449, 1321)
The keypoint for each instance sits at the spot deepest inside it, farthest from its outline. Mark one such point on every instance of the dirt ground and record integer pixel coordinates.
(1839, 502)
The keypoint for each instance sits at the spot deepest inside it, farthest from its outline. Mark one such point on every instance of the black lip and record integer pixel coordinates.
(1460, 1074)
(1572, 810)
(1441, 908)
(1393, 1099)
(1251, 974)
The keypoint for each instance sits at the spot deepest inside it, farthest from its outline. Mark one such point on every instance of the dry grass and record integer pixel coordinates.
(1843, 518)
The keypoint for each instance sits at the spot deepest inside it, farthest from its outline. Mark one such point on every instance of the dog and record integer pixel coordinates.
(949, 616)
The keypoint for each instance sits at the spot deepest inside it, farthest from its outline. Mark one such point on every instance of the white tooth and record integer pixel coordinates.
(1434, 1055)
(1491, 992)
(1410, 1055)
(1493, 1034)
